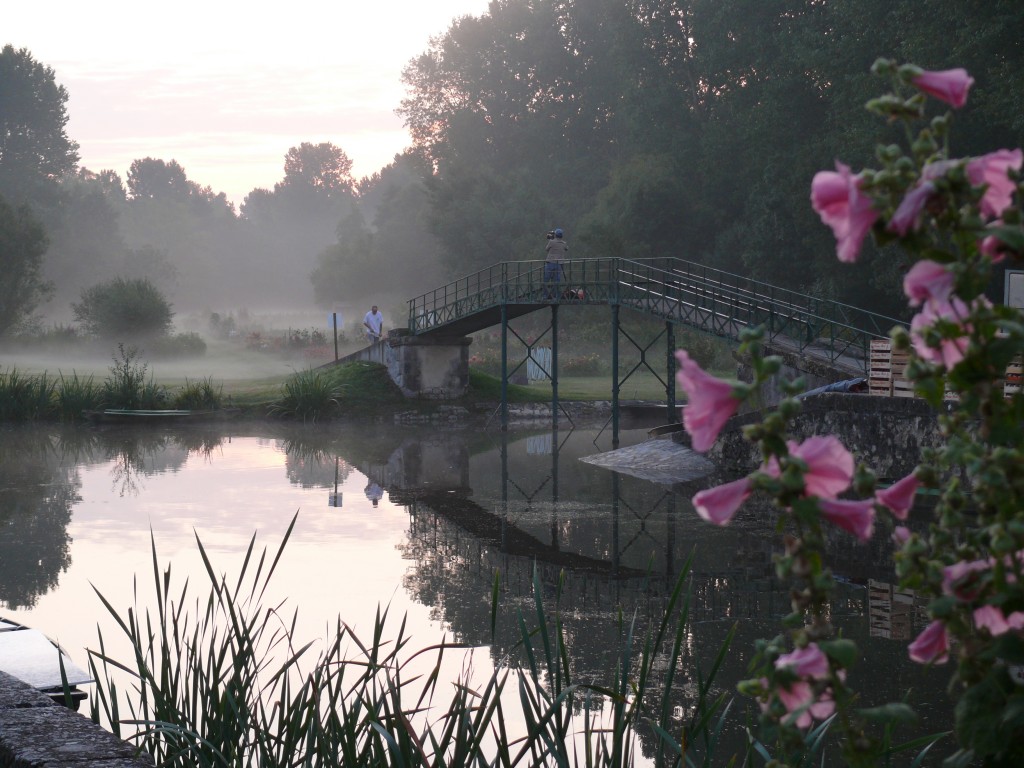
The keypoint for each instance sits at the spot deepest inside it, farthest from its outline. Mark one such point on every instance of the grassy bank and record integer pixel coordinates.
(310, 394)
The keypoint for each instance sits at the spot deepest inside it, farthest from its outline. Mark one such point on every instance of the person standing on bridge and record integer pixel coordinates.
(374, 323)
(554, 271)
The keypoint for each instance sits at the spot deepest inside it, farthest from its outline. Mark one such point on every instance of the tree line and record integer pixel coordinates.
(686, 128)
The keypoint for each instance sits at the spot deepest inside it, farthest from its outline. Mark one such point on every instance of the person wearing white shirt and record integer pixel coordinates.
(374, 323)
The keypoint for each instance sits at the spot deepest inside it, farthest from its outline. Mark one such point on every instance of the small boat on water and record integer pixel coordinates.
(157, 416)
(33, 658)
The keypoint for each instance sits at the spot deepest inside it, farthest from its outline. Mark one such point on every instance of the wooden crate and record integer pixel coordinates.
(1014, 377)
(880, 367)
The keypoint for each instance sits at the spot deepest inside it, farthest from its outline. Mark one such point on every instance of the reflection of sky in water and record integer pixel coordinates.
(339, 561)
(430, 548)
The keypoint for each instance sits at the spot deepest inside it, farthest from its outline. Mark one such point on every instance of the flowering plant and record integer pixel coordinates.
(955, 218)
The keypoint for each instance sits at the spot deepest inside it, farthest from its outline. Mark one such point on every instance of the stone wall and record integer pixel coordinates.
(37, 733)
(886, 433)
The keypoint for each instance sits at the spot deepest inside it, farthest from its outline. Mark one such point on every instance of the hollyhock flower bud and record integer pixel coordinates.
(905, 217)
(931, 646)
(900, 535)
(710, 402)
(856, 517)
(927, 280)
(993, 247)
(991, 170)
(898, 498)
(949, 85)
(837, 198)
(805, 662)
(718, 505)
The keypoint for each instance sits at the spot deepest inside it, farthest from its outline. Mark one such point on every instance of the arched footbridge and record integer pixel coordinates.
(834, 336)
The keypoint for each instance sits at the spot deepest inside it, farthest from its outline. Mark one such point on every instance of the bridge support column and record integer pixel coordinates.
(554, 366)
(504, 367)
(670, 380)
(615, 375)
(430, 367)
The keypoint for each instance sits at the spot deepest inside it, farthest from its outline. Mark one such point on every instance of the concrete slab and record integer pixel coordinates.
(659, 460)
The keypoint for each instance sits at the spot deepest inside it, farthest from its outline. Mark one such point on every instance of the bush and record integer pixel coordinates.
(124, 309)
(179, 345)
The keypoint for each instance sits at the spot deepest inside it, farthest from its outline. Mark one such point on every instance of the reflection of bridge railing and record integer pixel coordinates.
(680, 291)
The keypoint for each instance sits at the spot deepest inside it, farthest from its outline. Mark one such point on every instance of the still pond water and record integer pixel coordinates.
(419, 520)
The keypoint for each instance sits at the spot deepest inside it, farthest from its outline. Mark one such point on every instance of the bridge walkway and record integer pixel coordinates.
(680, 292)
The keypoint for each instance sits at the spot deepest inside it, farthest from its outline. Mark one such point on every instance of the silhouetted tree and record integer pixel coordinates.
(22, 245)
(34, 145)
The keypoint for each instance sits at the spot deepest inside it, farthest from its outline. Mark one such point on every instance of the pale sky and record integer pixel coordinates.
(225, 87)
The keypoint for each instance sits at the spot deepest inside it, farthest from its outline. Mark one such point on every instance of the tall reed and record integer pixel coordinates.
(309, 395)
(225, 683)
(76, 394)
(25, 398)
(200, 395)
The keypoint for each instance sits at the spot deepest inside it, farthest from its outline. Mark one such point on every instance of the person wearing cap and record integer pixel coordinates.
(556, 250)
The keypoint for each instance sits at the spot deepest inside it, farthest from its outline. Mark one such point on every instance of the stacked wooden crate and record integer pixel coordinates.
(1014, 377)
(901, 387)
(880, 367)
(887, 371)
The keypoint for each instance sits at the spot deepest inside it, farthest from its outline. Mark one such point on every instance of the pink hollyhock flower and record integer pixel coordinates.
(949, 85)
(905, 217)
(938, 169)
(931, 646)
(927, 280)
(992, 246)
(898, 498)
(963, 579)
(710, 402)
(856, 517)
(991, 170)
(839, 201)
(950, 350)
(718, 505)
(805, 662)
(829, 465)
(799, 697)
(992, 618)
(900, 535)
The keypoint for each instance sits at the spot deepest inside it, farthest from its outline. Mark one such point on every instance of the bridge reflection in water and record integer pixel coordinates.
(607, 546)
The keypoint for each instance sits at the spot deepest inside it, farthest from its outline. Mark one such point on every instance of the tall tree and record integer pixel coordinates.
(22, 245)
(323, 167)
(34, 145)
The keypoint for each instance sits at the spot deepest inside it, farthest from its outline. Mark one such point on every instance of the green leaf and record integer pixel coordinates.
(843, 652)
(894, 712)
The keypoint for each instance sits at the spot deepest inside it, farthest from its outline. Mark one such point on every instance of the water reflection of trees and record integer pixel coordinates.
(40, 484)
(37, 491)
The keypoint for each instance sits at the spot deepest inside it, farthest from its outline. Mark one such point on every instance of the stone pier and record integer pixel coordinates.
(433, 367)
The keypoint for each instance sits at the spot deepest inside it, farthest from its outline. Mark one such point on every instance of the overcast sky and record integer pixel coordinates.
(226, 88)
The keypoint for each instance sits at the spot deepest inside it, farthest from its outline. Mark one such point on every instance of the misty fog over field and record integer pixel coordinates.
(692, 135)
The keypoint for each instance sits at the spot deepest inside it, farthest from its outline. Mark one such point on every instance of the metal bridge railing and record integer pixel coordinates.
(704, 297)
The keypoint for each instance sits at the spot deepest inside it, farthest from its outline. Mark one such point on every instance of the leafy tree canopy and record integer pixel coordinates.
(34, 146)
(22, 245)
